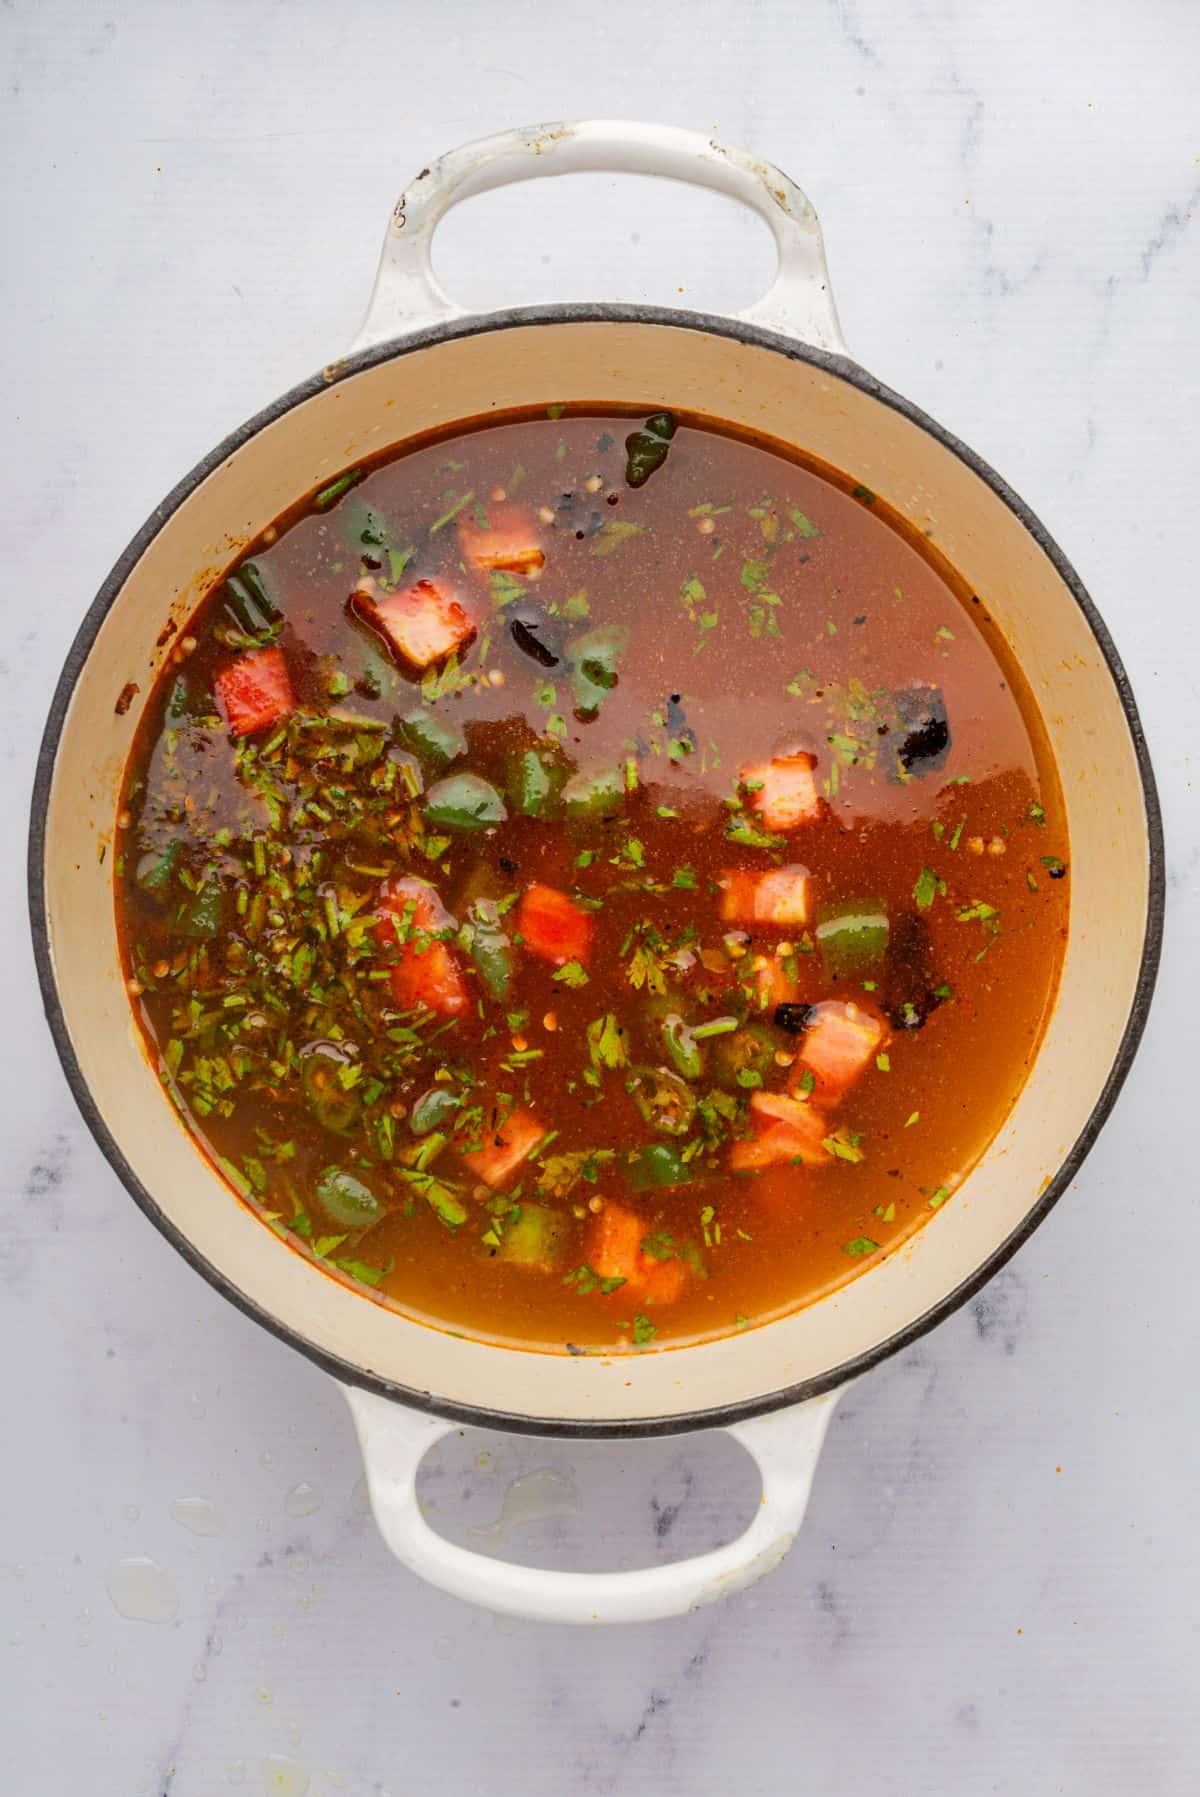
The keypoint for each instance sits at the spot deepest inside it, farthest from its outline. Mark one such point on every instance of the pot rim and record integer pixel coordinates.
(475, 325)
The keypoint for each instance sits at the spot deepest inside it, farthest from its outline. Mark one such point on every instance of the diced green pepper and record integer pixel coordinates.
(178, 700)
(535, 783)
(594, 792)
(435, 741)
(595, 658)
(646, 449)
(154, 871)
(660, 1164)
(347, 1200)
(203, 913)
(249, 600)
(433, 1109)
(490, 948)
(332, 1104)
(852, 939)
(464, 802)
(533, 1236)
(665, 1101)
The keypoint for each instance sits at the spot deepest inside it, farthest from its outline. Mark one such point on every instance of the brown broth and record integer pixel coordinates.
(769, 606)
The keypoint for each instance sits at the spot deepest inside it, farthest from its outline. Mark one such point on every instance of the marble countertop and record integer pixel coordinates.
(996, 1589)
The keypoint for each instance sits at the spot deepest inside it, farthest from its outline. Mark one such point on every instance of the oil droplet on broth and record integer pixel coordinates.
(199, 1515)
(531, 1497)
(142, 1590)
(303, 1499)
(284, 1777)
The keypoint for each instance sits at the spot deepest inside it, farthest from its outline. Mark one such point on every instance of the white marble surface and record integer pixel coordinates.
(996, 1589)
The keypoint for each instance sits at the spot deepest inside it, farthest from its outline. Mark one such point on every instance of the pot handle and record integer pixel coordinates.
(395, 1440)
(407, 296)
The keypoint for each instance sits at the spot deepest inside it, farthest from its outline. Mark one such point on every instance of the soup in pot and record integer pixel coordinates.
(592, 882)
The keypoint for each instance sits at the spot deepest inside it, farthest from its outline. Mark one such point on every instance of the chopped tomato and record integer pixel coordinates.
(553, 926)
(784, 791)
(255, 691)
(778, 897)
(615, 1252)
(838, 1045)
(425, 971)
(785, 1131)
(423, 623)
(509, 540)
(505, 1146)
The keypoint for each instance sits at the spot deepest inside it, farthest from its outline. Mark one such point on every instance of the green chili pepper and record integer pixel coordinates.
(745, 1057)
(665, 1101)
(682, 1046)
(331, 1103)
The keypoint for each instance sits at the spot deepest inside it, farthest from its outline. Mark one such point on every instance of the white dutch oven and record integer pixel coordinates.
(421, 363)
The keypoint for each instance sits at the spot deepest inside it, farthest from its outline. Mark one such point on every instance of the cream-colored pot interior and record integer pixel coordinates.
(762, 385)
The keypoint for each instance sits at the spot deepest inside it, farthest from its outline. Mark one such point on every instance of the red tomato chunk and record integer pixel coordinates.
(426, 972)
(785, 1131)
(779, 897)
(783, 791)
(424, 624)
(255, 691)
(504, 1147)
(839, 1045)
(553, 927)
(615, 1252)
(509, 541)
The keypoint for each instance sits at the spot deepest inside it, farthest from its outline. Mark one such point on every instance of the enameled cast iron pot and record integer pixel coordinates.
(421, 363)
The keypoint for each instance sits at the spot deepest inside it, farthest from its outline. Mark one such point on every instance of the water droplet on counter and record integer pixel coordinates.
(531, 1497)
(131, 1513)
(142, 1590)
(195, 1406)
(303, 1499)
(443, 1648)
(485, 1462)
(360, 1497)
(235, 1772)
(199, 1515)
(293, 1731)
(266, 1459)
(263, 1694)
(283, 1777)
(199, 1672)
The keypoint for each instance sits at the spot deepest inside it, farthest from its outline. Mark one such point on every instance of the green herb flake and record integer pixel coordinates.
(644, 1330)
(861, 1245)
(926, 889)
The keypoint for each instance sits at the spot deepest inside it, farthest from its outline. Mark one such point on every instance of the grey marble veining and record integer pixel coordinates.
(996, 1589)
